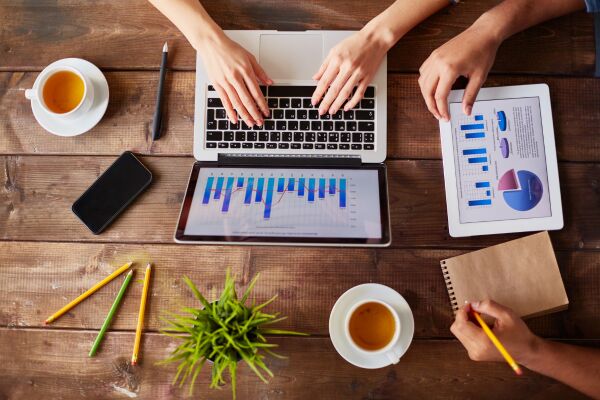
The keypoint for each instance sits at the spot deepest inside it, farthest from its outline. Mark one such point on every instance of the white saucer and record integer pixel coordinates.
(343, 305)
(77, 126)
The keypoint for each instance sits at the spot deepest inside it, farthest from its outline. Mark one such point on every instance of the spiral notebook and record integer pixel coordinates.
(521, 274)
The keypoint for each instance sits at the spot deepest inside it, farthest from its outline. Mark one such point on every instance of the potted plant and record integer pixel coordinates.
(222, 332)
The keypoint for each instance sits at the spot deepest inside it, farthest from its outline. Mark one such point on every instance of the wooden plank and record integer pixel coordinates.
(37, 193)
(129, 35)
(44, 361)
(413, 132)
(41, 277)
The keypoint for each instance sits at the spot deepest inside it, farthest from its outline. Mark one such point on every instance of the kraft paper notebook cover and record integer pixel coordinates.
(521, 274)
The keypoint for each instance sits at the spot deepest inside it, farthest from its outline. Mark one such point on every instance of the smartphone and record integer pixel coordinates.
(112, 192)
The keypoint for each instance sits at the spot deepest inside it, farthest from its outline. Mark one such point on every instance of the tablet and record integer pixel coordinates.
(500, 168)
(285, 205)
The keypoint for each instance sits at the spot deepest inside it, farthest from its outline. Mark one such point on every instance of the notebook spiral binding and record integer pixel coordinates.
(449, 287)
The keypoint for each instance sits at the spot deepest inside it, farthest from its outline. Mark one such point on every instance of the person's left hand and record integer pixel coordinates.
(351, 63)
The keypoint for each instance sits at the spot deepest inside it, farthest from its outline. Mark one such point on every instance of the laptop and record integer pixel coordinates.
(301, 178)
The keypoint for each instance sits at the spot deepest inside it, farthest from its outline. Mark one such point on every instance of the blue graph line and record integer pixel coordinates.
(470, 127)
(331, 185)
(488, 193)
(280, 184)
(227, 198)
(207, 190)
(475, 135)
(343, 193)
(311, 189)
(477, 160)
(248, 196)
(240, 182)
(269, 199)
(484, 202)
(484, 168)
(469, 152)
(321, 188)
(479, 118)
(290, 185)
(301, 187)
(482, 184)
(219, 187)
(259, 189)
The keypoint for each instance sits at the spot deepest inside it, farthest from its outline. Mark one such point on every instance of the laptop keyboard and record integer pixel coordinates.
(294, 124)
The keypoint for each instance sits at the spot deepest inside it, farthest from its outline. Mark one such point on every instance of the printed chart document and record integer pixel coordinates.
(499, 159)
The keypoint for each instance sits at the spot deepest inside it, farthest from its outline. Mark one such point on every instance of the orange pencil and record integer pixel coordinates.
(511, 361)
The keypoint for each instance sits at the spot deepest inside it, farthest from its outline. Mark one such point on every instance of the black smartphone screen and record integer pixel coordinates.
(112, 192)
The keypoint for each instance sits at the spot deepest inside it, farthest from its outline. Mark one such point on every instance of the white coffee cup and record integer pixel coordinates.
(35, 94)
(388, 350)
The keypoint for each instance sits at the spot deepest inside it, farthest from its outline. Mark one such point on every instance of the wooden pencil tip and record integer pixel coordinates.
(519, 371)
(165, 48)
(148, 266)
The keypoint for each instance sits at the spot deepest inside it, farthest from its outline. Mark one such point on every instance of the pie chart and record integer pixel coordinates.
(527, 196)
(501, 120)
(504, 147)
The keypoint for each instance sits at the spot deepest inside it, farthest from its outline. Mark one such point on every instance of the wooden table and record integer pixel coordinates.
(48, 257)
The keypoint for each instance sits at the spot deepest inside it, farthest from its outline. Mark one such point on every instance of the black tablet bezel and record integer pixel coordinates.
(385, 239)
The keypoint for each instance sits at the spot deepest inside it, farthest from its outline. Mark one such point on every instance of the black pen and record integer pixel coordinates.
(157, 124)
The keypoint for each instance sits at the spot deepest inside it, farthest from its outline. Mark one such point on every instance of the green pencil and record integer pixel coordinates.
(111, 314)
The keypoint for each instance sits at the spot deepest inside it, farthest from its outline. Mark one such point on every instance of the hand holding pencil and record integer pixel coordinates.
(510, 339)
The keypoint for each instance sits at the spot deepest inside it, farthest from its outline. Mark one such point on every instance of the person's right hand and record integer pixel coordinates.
(236, 75)
(514, 334)
(470, 54)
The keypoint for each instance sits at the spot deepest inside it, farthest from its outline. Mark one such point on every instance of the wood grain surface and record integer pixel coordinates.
(412, 131)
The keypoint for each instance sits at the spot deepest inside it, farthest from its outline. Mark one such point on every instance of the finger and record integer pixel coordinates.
(239, 106)
(428, 83)
(321, 70)
(260, 72)
(344, 94)
(462, 315)
(257, 95)
(248, 101)
(324, 83)
(231, 114)
(468, 333)
(492, 309)
(471, 91)
(335, 90)
(441, 94)
(358, 95)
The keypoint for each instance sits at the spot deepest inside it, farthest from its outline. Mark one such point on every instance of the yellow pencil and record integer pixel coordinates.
(511, 361)
(140, 324)
(88, 293)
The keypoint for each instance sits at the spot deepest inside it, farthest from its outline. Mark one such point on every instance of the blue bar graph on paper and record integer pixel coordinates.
(301, 187)
(291, 185)
(484, 168)
(331, 185)
(311, 189)
(343, 193)
(321, 188)
(482, 184)
(249, 187)
(479, 118)
(269, 199)
(240, 182)
(471, 127)
(280, 184)
(484, 202)
(259, 189)
(475, 135)
(218, 188)
(477, 160)
(207, 189)
(227, 198)
(488, 193)
(469, 152)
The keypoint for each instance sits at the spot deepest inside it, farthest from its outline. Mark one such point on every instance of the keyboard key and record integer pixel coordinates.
(344, 146)
(212, 136)
(271, 145)
(259, 145)
(313, 114)
(296, 103)
(273, 103)
(365, 115)
(367, 104)
(235, 145)
(223, 145)
(321, 137)
(298, 136)
(284, 145)
(211, 88)
(251, 136)
(349, 115)
(210, 114)
(275, 136)
(315, 126)
(369, 147)
(340, 126)
(284, 103)
(246, 145)
(332, 146)
(325, 116)
(357, 137)
(286, 136)
(220, 113)
(356, 146)
(257, 128)
(214, 102)
(291, 91)
(320, 146)
(302, 114)
(240, 136)
(281, 125)
(351, 126)
(345, 137)
(211, 145)
(369, 137)
(338, 115)
(306, 103)
(263, 136)
(223, 124)
(307, 146)
(366, 126)
(304, 125)
(211, 124)
(309, 136)
(277, 114)
(245, 126)
(292, 125)
(269, 125)
(296, 146)
(370, 92)
(228, 136)
(328, 125)
(290, 114)
(334, 137)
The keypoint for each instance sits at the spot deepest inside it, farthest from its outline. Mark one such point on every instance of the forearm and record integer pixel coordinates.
(512, 16)
(578, 367)
(399, 18)
(191, 19)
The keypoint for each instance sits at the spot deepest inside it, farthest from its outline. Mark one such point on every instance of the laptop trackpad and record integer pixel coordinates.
(291, 56)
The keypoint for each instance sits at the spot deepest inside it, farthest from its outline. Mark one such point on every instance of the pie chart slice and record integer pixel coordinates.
(528, 196)
(508, 181)
(504, 147)
(501, 120)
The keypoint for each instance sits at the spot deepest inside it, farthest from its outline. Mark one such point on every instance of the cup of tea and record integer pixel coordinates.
(63, 92)
(373, 327)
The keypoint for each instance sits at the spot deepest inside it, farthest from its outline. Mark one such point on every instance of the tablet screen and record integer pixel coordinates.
(499, 158)
(285, 202)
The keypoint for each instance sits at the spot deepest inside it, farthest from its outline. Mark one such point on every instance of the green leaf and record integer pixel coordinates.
(195, 291)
